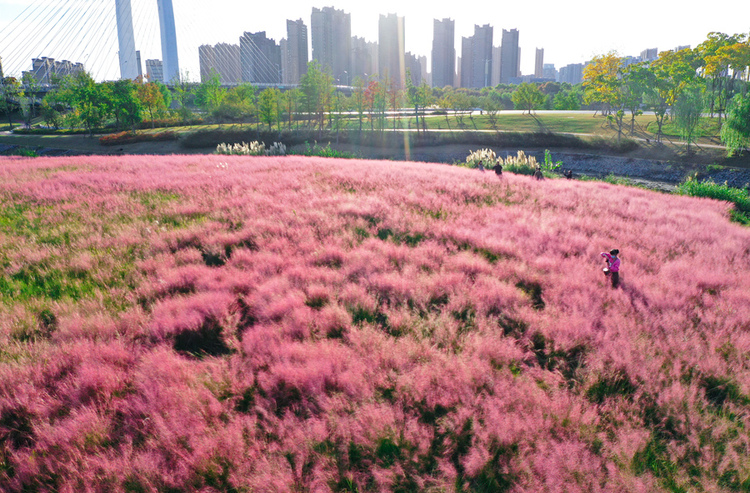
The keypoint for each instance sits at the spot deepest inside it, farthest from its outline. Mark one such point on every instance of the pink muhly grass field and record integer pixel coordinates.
(225, 323)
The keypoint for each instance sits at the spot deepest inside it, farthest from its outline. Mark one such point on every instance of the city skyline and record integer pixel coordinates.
(566, 33)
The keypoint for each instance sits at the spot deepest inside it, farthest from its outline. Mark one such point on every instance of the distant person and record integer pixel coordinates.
(480, 167)
(538, 173)
(498, 169)
(568, 174)
(612, 270)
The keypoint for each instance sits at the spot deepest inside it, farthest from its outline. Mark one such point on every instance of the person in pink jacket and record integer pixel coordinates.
(613, 266)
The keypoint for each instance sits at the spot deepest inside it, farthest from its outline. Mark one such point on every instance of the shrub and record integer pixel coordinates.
(482, 158)
(520, 164)
(736, 196)
(254, 148)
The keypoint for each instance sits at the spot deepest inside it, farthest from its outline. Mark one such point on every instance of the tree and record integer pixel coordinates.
(52, 109)
(721, 59)
(10, 91)
(238, 103)
(634, 87)
(601, 81)
(183, 95)
(445, 103)
(394, 97)
(419, 97)
(338, 105)
(675, 71)
(528, 97)
(735, 133)
(209, 95)
(126, 107)
(461, 104)
(151, 98)
(268, 108)
(316, 87)
(688, 111)
(491, 107)
(358, 99)
(567, 99)
(28, 104)
(293, 98)
(86, 98)
(375, 97)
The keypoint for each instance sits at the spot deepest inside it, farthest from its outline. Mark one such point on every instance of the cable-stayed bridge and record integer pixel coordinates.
(111, 39)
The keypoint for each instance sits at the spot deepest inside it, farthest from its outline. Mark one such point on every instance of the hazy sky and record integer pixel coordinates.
(568, 32)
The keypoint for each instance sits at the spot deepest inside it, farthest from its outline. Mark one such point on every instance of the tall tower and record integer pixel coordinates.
(391, 52)
(539, 63)
(168, 41)
(129, 66)
(332, 42)
(260, 59)
(510, 58)
(443, 53)
(294, 53)
(476, 58)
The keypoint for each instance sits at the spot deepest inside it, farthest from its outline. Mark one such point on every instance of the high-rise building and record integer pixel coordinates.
(294, 52)
(413, 68)
(649, 54)
(332, 42)
(549, 71)
(364, 62)
(443, 53)
(476, 58)
(572, 73)
(171, 62)
(391, 42)
(260, 59)
(44, 70)
(126, 40)
(539, 63)
(629, 60)
(154, 71)
(510, 58)
(222, 59)
(206, 61)
(497, 55)
(139, 64)
(426, 75)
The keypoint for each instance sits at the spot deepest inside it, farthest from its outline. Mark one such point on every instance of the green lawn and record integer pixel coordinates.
(707, 128)
(559, 122)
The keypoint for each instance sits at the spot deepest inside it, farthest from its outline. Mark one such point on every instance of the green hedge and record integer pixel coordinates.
(736, 196)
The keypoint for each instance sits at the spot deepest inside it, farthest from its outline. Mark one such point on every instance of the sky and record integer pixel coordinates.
(569, 32)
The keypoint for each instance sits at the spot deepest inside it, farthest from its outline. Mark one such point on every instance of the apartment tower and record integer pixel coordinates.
(510, 59)
(476, 58)
(391, 52)
(539, 63)
(260, 59)
(443, 53)
(223, 59)
(332, 42)
(294, 52)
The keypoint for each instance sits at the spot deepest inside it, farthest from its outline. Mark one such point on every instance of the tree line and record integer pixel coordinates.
(683, 85)
(77, 101)
(680, 85)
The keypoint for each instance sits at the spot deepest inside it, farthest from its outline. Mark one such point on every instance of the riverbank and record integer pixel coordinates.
(655, 173)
